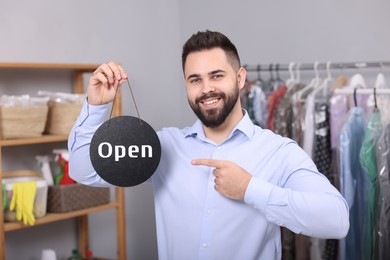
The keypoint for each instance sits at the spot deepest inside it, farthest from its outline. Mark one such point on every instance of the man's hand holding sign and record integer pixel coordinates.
(125, 151)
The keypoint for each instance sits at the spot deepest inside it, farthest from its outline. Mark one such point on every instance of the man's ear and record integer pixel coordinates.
(241, 77)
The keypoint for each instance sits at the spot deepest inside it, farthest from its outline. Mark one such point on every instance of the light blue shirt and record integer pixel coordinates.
(194, 221)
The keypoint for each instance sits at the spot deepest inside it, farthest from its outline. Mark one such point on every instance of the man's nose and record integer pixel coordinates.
(207, 87)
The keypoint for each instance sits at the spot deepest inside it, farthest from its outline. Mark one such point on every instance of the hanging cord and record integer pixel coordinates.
(135, 104)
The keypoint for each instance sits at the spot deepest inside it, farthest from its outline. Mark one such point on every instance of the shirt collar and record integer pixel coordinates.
(244, 126)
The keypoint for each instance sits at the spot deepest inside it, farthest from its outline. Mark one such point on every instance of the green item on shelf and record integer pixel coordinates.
(60, 175)
(4, 191)
(75, 255)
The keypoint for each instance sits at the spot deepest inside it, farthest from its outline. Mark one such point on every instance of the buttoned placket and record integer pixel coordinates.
(209, 216)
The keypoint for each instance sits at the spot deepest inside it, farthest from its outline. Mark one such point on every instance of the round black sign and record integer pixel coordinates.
(125, 151)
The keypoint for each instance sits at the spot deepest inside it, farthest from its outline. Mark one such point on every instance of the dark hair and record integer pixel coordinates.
(208, 40)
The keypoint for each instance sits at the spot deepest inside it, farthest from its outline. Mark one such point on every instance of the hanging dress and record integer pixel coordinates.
(354, 185)
(383, 163)
(369, 164)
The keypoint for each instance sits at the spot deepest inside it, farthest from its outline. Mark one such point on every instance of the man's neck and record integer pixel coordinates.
(221, 133)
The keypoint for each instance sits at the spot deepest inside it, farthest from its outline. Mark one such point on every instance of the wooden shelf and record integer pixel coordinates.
(78, 71)
(35, 140)
(53, 217)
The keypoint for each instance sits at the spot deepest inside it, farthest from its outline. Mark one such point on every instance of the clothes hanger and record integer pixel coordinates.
(354, 97)
(380, 80)
(316, 80)
(324, 86)
(341, 80)
(382, 101)
(357, 80)
(259, 80)
(309, 118)
(278, 78)
(309, 87)
(291, 81)
(272, 80)
(375, 101)
(298, 72)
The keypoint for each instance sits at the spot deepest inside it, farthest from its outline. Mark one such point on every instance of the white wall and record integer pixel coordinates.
(146, 36)
(302, 30)
(285, 31)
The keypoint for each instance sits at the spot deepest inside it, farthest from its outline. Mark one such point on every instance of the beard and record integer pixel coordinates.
(213, 118)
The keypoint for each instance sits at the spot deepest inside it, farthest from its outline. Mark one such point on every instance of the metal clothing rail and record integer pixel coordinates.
(364, 91)
(316, 66)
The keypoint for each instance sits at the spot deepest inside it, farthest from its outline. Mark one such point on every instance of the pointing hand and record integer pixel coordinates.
(230, 179)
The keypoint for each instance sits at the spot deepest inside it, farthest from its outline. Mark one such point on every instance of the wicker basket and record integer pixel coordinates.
(66, 198)
(61, 117)
(22, 121)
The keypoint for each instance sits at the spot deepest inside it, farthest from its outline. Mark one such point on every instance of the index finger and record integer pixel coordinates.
(118, 71)
(208, 162)
(122, 72)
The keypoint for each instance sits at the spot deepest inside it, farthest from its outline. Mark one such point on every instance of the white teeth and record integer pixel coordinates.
(210, 102)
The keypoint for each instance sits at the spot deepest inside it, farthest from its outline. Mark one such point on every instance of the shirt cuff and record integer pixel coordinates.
(94, 114)
(258, 193)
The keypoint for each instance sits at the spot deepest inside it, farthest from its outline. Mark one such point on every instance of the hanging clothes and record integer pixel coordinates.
(383, 101)
(322, 150)
(353, 154)
(283, 114)
(369, 164)
(383, 164)
(257, 100)
(253, 99)
(299, 110)
(354, 184)
(338, 108)
(273, 101)
(322, 156)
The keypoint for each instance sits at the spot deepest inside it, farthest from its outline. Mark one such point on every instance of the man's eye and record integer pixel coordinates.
(193, 81)
(217, 76)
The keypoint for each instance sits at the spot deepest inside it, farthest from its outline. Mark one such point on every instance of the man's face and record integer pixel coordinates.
(212, 88)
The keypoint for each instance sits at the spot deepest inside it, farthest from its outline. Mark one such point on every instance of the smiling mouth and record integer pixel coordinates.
(210, 102)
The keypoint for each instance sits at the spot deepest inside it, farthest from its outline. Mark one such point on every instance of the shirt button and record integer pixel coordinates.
(204, 245)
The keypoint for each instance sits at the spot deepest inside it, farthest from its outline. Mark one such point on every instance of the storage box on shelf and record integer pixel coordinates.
(71, 197)
(61, 117)
(22, 121)
(40, 201)
(64, 109)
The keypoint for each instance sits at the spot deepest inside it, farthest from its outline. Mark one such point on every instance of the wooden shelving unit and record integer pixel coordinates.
(38, 140)
(81, 215)
(53, 217)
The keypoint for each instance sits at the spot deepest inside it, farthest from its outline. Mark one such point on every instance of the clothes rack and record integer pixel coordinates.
(340, 138)
(317, 66)
(364, 91)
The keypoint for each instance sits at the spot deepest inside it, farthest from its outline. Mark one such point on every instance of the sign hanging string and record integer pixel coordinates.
(135, 104)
